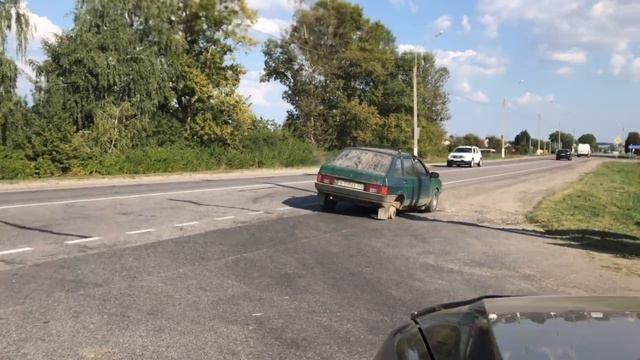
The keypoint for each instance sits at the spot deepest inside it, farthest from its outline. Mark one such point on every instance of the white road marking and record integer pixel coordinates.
(6, 252)
(283, 208)
(485, 167)
(187, 224)
(256, 213)
(82, 240)
(502, 174)
(123, 197)
(140, 231)
(224, 218)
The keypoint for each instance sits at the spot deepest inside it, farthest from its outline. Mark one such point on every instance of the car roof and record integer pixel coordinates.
(380, 150)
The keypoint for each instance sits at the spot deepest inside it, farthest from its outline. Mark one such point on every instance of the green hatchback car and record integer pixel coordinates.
(388, 179)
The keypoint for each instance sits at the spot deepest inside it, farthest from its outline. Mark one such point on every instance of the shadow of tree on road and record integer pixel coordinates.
(621, 245)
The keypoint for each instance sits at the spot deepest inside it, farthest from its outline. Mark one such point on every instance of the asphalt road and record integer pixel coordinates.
(249, 268)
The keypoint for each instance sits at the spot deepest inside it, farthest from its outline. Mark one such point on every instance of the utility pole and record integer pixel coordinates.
(558, 148)
(502, 122)
(539, 130)
(415, 104)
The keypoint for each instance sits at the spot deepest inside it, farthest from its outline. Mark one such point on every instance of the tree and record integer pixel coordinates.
(160, 66)
(522, 142)
(13, 15)
(589, 139)
(346, 83)
(566, 140)
(494, 142)
(633, 138)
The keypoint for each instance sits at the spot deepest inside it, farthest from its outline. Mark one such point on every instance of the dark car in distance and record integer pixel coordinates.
(532, 327)
(563, 154)
(387, 179)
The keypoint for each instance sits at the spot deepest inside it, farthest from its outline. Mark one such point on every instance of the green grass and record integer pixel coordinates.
(601, 211)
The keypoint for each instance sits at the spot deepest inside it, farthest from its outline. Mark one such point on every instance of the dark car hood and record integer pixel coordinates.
(593, 327)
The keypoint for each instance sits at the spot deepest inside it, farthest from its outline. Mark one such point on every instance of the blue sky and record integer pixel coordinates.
(576, 63)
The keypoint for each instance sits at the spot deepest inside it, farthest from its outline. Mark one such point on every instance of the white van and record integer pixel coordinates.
(584, 150)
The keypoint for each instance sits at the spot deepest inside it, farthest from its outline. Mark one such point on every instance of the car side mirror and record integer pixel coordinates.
(434, 175)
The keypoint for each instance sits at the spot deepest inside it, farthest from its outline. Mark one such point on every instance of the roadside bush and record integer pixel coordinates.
(14, 165)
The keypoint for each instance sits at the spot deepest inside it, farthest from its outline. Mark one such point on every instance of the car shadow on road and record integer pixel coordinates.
(312, 203)
(607, 242)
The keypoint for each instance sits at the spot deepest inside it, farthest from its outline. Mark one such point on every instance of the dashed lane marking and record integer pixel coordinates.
(187, 224)
(13, 251)
(140, 231)
(224, 218)
(77, 241)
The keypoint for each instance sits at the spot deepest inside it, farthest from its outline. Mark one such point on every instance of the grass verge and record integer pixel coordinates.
(600, 212)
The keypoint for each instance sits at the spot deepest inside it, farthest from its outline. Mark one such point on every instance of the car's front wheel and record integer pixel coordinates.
(480, 162)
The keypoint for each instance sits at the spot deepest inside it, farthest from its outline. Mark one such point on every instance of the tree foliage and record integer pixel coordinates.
(143, 60)
(522, 142)
(347, 84)
(566, 140)
(589, 139)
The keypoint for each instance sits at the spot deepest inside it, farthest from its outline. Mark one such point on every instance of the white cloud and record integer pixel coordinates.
(490, 25)
(269, 5)
(465, 92)
(605, 24)
(466, 25)
(564, 71)
(572, 56)
(531, 99)
(635, 69)
(411, 48)
(267, 95)
(618, 61)
(410, 3)
(270, 26)
(477, 96)
(442, 23)
(471, 63)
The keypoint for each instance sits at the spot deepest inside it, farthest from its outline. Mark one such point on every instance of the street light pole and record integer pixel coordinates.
(539, 130)
(415, 104)
(504, 116)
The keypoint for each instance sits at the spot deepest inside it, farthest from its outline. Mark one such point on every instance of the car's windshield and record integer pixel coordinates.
(462, 150)
(365, 160)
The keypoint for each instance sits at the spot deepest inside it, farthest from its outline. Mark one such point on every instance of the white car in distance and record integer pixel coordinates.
(465, 155)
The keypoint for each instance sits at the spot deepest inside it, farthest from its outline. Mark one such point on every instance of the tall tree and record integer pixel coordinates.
(13, 14)
(566, 140)
(522, 142)
(145, 60)
(346, 83)
(589, 139)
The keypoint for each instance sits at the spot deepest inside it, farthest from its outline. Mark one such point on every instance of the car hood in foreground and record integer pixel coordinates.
(594, 327)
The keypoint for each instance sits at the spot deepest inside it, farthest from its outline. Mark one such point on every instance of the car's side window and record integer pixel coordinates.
(397, 168)
(408, 167)
(420, 168)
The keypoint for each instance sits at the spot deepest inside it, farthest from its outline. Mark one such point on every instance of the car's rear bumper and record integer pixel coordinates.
(356, 196)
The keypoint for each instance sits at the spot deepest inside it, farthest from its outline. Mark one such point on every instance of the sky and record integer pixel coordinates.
(541, 65)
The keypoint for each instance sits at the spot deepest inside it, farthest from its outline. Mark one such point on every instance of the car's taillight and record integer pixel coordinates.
(325, 179)
(376, 189)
